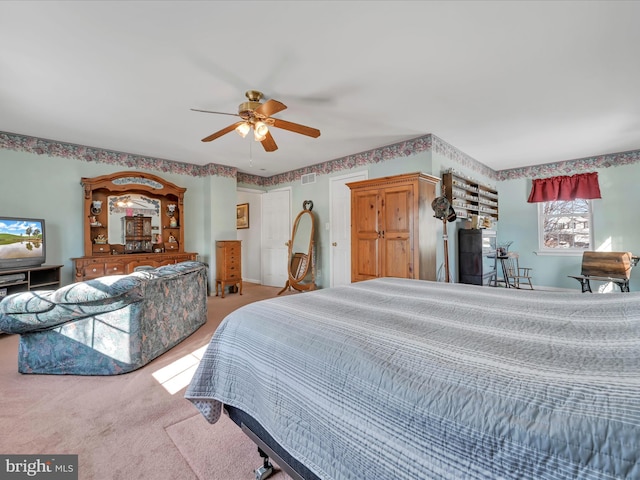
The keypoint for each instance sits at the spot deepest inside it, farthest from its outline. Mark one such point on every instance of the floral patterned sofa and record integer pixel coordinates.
(107, 326)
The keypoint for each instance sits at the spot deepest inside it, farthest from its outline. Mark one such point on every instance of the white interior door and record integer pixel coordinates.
(276, 230)
(340, 228)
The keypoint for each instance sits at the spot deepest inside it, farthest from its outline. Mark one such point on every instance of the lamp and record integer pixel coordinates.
(260, 131)
(243, 129)
(261, 128)
(444, 211)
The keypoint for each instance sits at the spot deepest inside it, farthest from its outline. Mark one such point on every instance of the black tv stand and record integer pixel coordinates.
(44, 277)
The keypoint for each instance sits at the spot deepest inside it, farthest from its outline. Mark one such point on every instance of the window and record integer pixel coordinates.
(565, 225)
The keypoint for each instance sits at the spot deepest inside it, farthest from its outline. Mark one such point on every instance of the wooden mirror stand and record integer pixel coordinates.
(301, 259)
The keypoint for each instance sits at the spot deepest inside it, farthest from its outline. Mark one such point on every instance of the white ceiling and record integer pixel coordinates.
(509, 83)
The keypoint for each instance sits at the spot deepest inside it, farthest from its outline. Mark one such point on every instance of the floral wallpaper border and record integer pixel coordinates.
(40, 146)
(571, 167)
(389, 152)
(462, 159)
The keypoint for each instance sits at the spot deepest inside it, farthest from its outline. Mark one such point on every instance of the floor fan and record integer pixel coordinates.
(444, 211)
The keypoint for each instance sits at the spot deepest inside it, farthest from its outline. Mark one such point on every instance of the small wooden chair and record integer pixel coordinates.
(515, 275)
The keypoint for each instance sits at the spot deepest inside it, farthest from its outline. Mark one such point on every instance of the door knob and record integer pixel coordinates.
(335, 244)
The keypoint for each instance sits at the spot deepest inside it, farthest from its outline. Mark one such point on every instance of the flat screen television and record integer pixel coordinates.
(22, 242)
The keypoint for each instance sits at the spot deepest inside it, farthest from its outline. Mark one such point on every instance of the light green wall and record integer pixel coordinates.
(49, 187)
(319, 193)
(613, 217)
(615, 225)
(441, 163)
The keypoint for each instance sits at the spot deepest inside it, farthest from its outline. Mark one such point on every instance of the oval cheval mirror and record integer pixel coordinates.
(301, 258)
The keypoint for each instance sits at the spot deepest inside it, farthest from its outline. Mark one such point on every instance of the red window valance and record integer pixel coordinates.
(581, 185)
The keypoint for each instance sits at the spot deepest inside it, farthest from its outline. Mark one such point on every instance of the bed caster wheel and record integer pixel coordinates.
(266, 470)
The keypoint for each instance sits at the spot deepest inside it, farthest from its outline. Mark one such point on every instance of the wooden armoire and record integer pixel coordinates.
(393, 229)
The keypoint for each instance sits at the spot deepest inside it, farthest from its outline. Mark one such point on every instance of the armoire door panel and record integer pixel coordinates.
(365, 205)
(397, 210)
(367, 264)
(397, 258)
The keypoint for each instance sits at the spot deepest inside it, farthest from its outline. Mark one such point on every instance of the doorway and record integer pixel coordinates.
(276, 230)
(340, 227)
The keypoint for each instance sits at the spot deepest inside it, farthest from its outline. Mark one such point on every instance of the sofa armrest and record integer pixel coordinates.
(97, 291)
(31, 311)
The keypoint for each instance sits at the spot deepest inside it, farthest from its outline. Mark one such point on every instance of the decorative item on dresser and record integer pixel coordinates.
(228, 264)
(393, 230)
(131, 219)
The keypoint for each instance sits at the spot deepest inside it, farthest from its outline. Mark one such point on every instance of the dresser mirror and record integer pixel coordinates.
(129, 205)
(301, 258)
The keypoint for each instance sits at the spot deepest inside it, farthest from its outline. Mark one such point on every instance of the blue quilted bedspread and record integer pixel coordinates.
(407, 379)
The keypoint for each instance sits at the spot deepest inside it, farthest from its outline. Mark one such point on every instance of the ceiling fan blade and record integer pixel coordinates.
(222, 132)
(219, 113)
(269, 143)
(295, 127)
(270, 107)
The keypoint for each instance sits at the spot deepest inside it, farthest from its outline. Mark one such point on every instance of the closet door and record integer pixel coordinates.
(276, 231)
(397, 258)
(365, 235)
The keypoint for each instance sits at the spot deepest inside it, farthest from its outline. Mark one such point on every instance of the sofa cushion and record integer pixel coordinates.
(165, 271)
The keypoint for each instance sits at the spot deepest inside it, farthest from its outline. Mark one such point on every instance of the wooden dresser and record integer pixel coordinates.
(88, 268)
(228, 264)
(130, 220)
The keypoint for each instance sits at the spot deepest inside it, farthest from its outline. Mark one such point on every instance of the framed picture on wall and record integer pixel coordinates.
(242, 215)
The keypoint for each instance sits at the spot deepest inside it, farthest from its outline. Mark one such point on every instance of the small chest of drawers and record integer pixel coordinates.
(228, 264)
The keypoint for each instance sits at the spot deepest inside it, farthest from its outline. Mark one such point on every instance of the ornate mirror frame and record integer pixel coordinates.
(301, 266)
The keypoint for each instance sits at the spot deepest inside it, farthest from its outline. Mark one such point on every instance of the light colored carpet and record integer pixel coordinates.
(132, 426)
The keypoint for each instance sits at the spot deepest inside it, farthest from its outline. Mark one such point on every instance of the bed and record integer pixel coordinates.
(409, 379)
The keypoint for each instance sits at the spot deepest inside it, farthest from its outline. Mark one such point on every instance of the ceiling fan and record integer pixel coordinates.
(256, 116)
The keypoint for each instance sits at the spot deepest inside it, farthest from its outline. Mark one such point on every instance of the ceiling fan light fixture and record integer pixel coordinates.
(259, 117)
(261, 129)
(243, 129)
